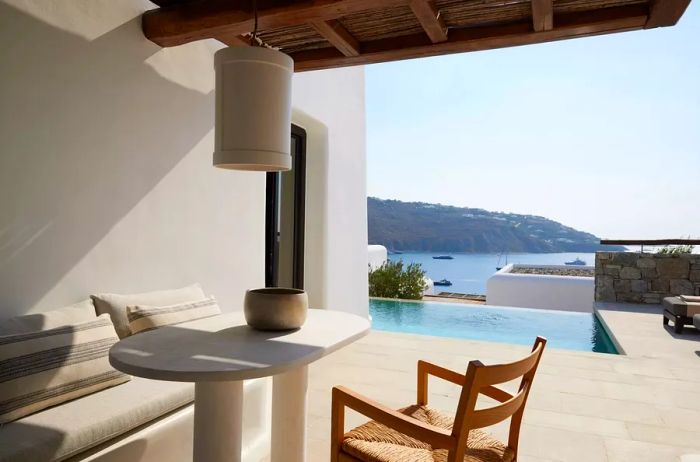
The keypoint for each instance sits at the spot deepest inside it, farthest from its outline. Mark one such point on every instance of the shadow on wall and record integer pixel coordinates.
(87, 129)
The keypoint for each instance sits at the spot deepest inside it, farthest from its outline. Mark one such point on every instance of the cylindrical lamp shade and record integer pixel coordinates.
(253, 109)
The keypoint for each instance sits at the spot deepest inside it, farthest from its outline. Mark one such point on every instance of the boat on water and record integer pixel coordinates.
(499, 267)
(577, 262)
(443, 257)
(442, 282)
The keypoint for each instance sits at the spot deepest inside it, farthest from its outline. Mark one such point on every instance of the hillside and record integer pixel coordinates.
(440, 228)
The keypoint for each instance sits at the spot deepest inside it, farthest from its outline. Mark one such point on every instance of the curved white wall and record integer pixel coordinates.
(330, 106)
(376, 256)
(567, 293)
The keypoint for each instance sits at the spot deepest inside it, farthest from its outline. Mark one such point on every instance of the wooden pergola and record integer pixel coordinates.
(321, 34)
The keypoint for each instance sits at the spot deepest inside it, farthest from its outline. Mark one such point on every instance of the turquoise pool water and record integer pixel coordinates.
(573, 331)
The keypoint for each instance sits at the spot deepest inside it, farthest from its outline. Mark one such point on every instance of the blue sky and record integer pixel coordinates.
(600, 133)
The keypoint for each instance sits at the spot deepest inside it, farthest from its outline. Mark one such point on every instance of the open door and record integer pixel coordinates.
(284, 219)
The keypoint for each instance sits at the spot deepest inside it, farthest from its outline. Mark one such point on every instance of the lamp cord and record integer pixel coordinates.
(254, 36)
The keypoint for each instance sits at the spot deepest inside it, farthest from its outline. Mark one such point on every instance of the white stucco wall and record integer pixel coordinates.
(106, 175)
(335, 98)
(106, 182)
(567, 293)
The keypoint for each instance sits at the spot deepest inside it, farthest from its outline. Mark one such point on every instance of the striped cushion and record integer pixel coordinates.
(115, 304)
(143, 318)
(43, 368)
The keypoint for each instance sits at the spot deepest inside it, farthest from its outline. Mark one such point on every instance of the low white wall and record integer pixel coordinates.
(429, 286)
(567, 293)
(376, 256)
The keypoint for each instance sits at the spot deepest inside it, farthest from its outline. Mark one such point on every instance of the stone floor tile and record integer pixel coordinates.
(623, 450)
(664, 435)
(584, 424)
(558, 444)
(610, 409)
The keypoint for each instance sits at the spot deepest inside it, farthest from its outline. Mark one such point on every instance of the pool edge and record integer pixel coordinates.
(608, 330)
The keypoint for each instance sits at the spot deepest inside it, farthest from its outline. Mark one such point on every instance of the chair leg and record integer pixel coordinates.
(337, 426)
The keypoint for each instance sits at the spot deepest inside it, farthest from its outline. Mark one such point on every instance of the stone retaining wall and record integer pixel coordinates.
(643, 277)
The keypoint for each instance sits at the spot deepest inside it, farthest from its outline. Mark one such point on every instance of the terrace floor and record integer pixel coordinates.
(643, 406)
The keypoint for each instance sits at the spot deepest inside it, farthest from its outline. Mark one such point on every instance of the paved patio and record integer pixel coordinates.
(644, 406)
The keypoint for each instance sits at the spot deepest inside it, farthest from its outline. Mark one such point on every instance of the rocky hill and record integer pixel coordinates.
(440, 228)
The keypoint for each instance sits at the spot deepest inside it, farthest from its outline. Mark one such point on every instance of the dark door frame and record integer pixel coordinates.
(272, 205)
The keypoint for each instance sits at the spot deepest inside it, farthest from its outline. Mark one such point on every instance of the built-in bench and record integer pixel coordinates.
(133, 419)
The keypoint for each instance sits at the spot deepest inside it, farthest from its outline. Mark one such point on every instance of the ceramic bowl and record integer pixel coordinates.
(275, 308)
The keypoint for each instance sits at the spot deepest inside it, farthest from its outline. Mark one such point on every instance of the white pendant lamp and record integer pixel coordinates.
(253, 109)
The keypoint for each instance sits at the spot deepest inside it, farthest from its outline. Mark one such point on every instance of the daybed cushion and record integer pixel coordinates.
(44, 368)
(60, 432)
(72, 314)
(679, 307)
(690, 298)
(143, 318)
(115, 304)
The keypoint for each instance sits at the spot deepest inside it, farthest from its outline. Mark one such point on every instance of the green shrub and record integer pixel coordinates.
(676, 250)
(392, 280)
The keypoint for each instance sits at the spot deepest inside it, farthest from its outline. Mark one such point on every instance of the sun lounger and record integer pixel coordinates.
(680, 310)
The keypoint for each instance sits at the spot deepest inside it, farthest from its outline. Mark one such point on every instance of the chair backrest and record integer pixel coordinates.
(480, 379)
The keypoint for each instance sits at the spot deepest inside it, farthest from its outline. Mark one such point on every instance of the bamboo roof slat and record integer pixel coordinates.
(382, 23)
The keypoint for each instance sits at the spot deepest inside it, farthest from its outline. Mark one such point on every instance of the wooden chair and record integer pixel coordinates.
(419, 433)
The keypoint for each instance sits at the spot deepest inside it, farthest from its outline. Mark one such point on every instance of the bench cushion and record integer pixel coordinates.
(115, 304)
(62, 431)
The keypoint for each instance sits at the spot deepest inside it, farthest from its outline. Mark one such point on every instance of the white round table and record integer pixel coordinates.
(219, 353)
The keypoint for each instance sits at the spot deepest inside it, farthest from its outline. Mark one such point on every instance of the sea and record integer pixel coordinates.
(469, 272)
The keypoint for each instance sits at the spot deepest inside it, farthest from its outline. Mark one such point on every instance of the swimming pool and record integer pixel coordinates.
(573, 331)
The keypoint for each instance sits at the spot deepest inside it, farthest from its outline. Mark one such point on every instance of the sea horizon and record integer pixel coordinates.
(469, 272)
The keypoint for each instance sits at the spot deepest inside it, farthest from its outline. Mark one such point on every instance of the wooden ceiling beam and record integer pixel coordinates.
(542, 15)
(664, 13)
(581, 24)
(183, 23)
(338, 36)
(429, 17)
